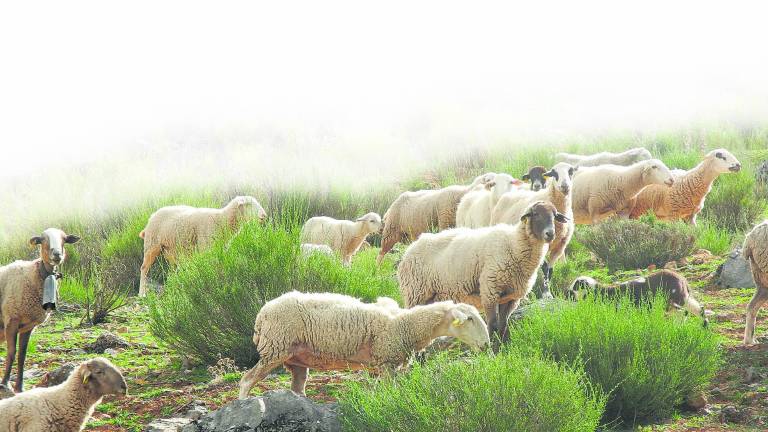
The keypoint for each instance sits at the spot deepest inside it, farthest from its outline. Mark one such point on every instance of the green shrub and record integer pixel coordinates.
(211, 299)
(733, 204)
(636, 244)
(714, 239)
(647, 361)
(506, 392)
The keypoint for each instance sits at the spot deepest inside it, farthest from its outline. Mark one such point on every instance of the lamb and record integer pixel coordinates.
(342, 236)
(173, 230)
(624, 158)
(475, 207)
(607, 190)
(414, 213)
(308, 249)
(512, 206)
(492, 267)
(535, 176)
(672, 284)
(755, 251)
(335, 332)
(67, 406)
(21, 297)
(685, 199)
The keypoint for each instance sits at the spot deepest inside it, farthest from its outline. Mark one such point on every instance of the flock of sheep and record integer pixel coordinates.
(493, 236)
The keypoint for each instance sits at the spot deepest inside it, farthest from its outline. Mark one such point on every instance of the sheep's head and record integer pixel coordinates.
(540, 217)
(371, 222)
(102, 378)
(580, 287)
(655, 172)
(52, 245)
(723, 161)
(640, 154)
(466, 325)
(562, 176)
(535, 176)
(248, 208)
(501, 184)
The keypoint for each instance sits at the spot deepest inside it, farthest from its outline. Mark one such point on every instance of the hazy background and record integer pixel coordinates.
(101, 104)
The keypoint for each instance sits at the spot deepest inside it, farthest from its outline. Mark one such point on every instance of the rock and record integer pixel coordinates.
(6, 392)
(111, 351)
(761, 174)
(731, 414)
(735, 272)
(276, 410)
(749, 375)
(104, 341)
(196, 412)
(167, 425)
(696, 401)
(58, 375)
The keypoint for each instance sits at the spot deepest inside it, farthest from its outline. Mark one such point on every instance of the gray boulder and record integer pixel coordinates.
(735, 272)
(58, 375)
(167, 425)
(106, 341)
(275, 411)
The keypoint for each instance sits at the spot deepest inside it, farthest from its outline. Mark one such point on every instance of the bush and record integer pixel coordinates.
(733, 204)
(211, 299)
(645, 360)
(506, 392)
(636, 244)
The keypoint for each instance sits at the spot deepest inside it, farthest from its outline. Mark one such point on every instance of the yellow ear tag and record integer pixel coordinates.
(85, 379)
(545, 176)
(457, 323)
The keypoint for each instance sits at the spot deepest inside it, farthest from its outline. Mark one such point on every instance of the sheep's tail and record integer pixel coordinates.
(141, 234)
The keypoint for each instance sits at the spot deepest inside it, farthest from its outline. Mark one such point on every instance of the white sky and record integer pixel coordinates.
(80, 76)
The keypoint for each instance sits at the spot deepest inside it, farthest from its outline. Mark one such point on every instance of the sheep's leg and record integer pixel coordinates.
(505, 311)
(299, 377)
(258, 373)
(150, 255)
(491, 315)
(23, 343)
(11, 334)
(547, 270)
(758, 300)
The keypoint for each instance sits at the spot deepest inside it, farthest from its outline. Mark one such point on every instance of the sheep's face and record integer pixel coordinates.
(724, 161)
(535, 176)
(371, 222)
(101, 377)
(540, 217)
(562, 176)
(655, 172)
(580, 287)
(52, 245)
(501, 184)
(468, 326)
(249, 208)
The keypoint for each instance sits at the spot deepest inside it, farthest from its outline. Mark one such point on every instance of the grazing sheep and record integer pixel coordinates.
(603, 191)
(559, 190)
(343, 236)
(414, 213)
(492, 267)
(174, 229)
(308, 249)
(336, 332)
(756, 252)
(672, 284)
(475, 207)
(21, 297)
(535, 176)
(685, 199)
(625, 158)
(67, 406)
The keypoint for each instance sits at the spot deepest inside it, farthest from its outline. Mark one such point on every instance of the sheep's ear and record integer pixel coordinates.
(86, 375)
(527, 214)
(559, 217)
(360, 219)
(490, 185)
(719, 155)
(525, 177)
(71, 238)
(550, 173)
(36, 240)
(459, 318)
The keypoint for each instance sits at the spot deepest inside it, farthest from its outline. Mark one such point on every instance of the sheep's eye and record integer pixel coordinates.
(655, 167)
(470, 318)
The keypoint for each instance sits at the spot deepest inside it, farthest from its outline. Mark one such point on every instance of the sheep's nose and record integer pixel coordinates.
(549, 235)
(56, 255)
(736, 167)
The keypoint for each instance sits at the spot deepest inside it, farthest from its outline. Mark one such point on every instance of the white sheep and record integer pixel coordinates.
(21, 297)
(492, 267)
(624, 158)
(335, 332)
(414, 213)
(559, 192)
(755, 251)
(308, 249)
(475, 207)
(176, 229)
(342, 236)
(603, 191)
(65, 407)
(685, 199)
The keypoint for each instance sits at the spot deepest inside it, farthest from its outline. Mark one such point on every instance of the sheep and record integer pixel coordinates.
(414, 213)
(685, 199)
(672, 284)
(174, 229)
(67, 406)
(342, 236)
(21, 296)
(558, 191)
(535, 176)
(624, 158)
(335, 332)
(307, 249)
(603, 191)
(475, 207)
(492, 268)
(755, 251)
